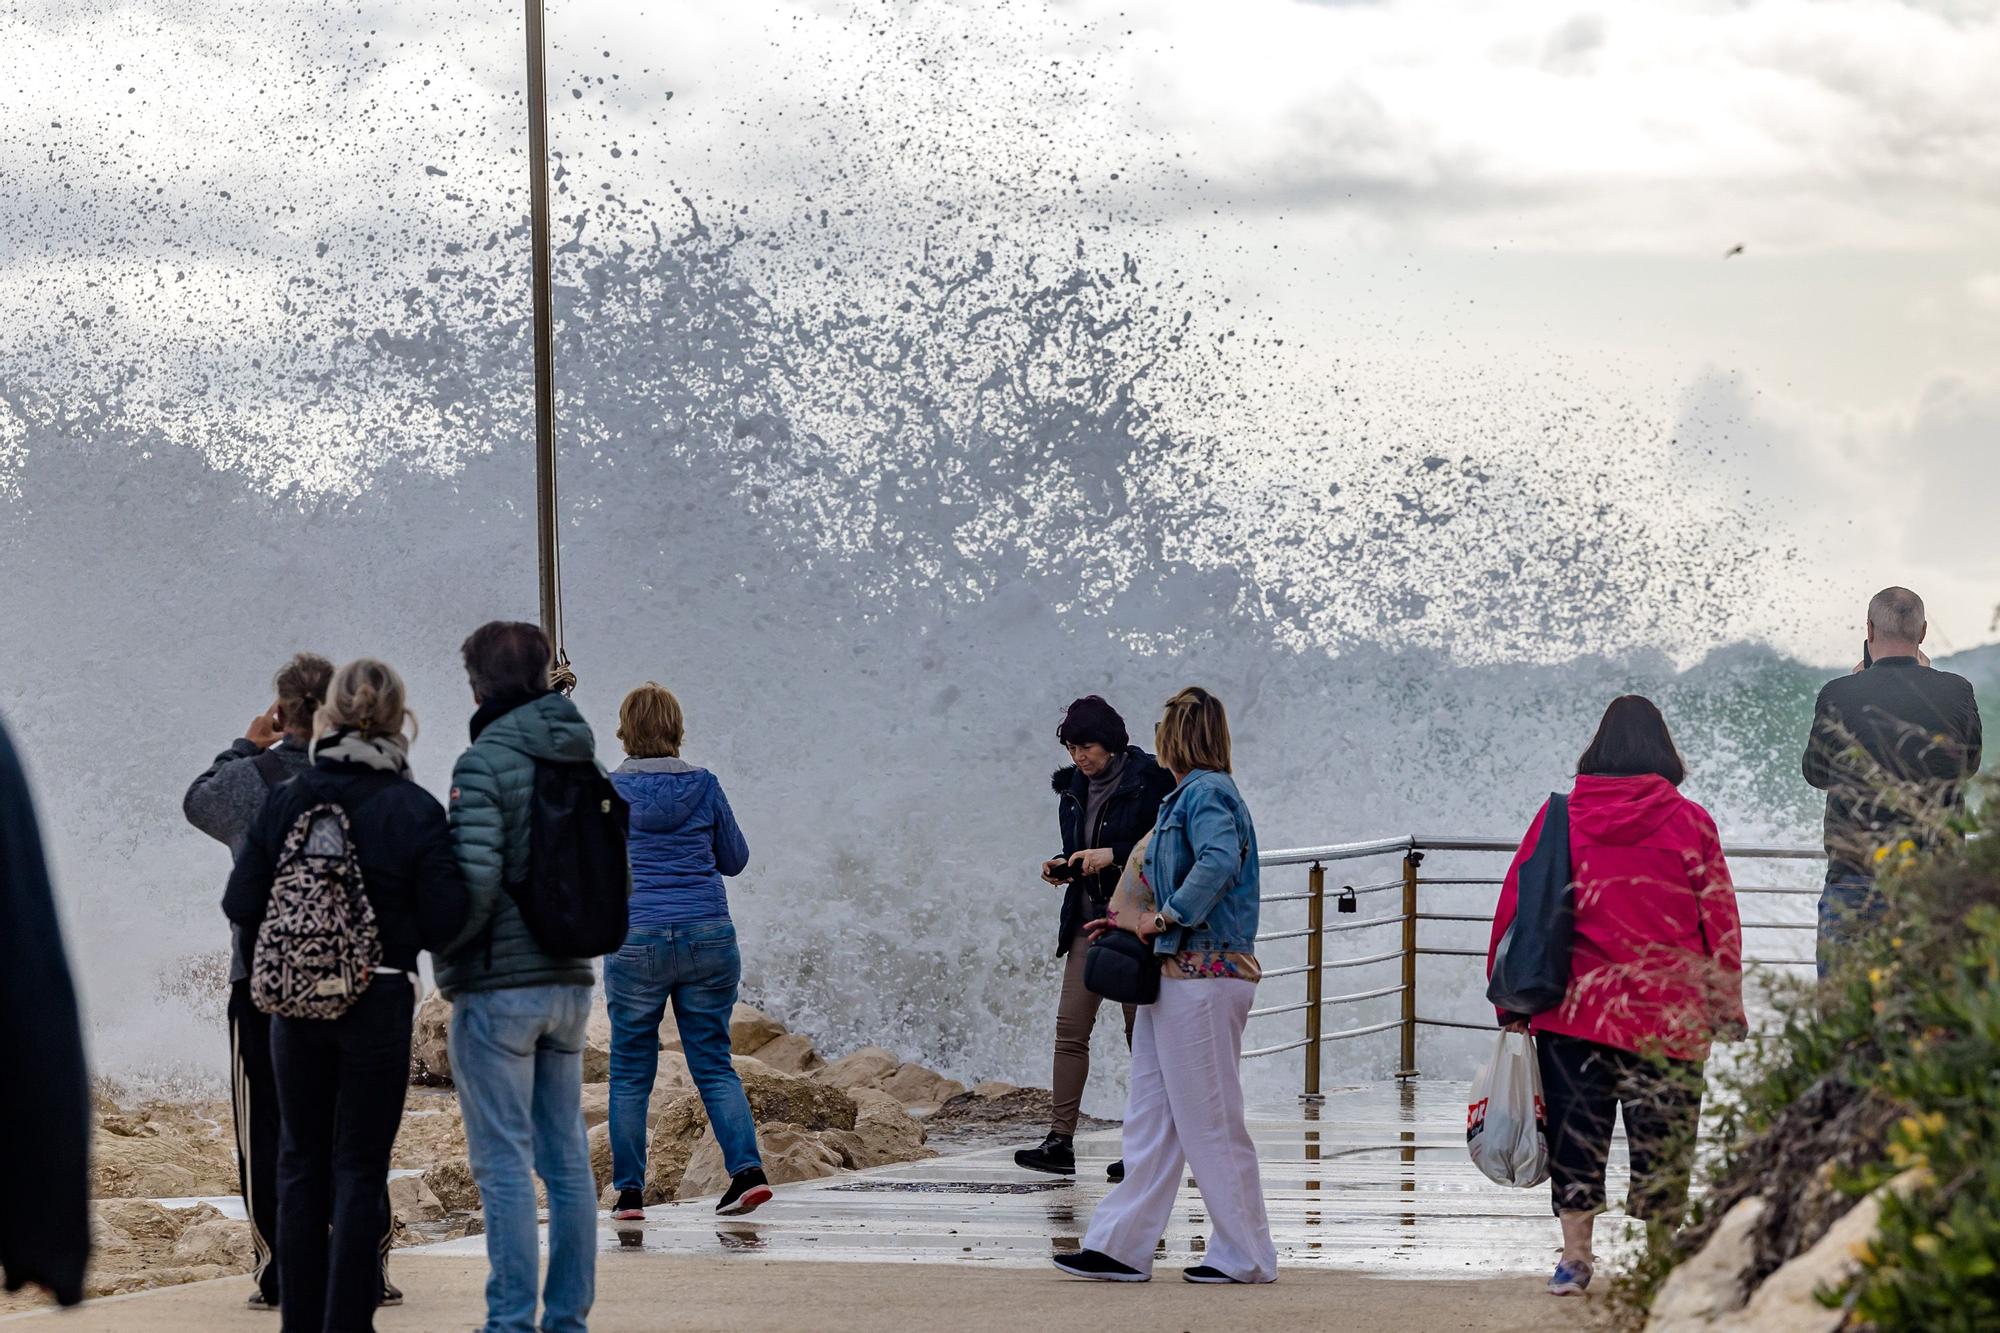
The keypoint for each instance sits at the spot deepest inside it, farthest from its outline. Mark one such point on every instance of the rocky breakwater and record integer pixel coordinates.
(815, 1117)
(164, 1173)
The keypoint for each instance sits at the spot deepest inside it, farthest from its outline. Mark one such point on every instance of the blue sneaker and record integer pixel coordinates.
(1570, 1279)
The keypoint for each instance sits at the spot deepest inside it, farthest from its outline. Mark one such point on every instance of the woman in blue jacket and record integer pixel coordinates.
(1185, 1106)
(681, 949)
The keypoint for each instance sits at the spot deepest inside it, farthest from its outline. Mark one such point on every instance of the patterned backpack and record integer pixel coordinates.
(317, 947)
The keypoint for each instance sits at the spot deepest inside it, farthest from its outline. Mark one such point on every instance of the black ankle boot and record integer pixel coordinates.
(1056, 1156)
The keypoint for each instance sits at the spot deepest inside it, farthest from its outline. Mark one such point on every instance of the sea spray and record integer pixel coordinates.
(876, 483)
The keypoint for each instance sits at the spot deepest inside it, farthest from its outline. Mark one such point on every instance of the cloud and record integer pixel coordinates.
(1654, 125)
(1904, 494)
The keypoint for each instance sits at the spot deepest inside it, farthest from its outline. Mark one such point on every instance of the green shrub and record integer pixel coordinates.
(1911, 1023)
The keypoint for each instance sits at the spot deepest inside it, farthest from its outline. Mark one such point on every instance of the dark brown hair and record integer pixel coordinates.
(1633, 740)
(301, 688)
(507, 660)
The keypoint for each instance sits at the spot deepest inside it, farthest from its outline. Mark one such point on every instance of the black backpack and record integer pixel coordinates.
(1531, 966)
(575, 897)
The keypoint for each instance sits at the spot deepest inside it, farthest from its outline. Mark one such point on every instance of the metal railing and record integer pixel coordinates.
(1413, 848)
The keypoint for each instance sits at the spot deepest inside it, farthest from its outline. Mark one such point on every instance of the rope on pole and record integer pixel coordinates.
(549, 547)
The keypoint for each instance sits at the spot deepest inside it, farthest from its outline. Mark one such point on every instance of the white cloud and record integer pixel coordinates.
(1649, 124)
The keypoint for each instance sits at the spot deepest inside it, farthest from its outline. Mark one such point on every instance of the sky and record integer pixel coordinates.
(1479, 204)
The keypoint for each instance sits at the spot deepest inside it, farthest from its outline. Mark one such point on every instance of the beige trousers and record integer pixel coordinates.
(1076, 1016)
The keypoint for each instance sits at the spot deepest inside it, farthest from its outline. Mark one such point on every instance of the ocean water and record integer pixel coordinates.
(877, 467)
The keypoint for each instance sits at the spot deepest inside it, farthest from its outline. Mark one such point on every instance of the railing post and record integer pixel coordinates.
(1316, 922)
(1411, 860)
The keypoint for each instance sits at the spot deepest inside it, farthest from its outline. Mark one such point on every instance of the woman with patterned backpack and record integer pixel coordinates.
(347, 872)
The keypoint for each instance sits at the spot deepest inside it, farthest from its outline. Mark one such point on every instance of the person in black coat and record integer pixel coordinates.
(45, 1097)
(1106, 800)
(342, 1081)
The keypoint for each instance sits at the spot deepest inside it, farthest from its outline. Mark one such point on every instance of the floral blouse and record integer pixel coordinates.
(1134, 899)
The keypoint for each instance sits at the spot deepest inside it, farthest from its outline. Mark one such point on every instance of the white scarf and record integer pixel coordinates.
(391, 754)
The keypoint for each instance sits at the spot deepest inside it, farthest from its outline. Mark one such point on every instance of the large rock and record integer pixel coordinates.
(599, 1140)
(161, 1153)
(791, 1153)
(774, 1099)
(220, 1241)
(411, 1200)
(881, 1135)
(451, 1183)
(865, 1068)
(124, 1225)
(750, 1028)
(430, 1046)
(791, 1053)
(432, 1131)
(914, 1085)
(1712, 1282)
(597, 1041)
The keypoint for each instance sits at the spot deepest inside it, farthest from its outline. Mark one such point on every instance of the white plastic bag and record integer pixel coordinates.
(1506, 1126)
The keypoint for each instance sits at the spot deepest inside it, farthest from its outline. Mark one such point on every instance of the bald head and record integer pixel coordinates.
(1896, 616)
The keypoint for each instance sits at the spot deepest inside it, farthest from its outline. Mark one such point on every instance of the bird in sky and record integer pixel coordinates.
(1733, 251)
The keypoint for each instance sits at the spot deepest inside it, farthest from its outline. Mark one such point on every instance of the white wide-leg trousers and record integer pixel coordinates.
(1186, 1110)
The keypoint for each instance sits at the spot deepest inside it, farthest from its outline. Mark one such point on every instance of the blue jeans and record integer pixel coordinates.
(696, 967)
(1849, 906)
(517, 1061)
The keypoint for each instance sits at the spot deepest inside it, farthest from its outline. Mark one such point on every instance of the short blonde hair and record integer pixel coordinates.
(368, 696)
(650, 723)
(1193, 733)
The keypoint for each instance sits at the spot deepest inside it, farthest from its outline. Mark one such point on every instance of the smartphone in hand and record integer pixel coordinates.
(1867, 656)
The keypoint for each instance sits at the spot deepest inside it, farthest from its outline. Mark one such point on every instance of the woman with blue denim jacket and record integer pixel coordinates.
(681, 948)
(1185, 1107)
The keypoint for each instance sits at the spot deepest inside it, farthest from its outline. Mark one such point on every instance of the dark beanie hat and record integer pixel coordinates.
(1091, 719)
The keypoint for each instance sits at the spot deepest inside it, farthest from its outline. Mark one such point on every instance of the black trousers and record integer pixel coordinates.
(254, 1100)
(1584, 1085)
(341, 1085)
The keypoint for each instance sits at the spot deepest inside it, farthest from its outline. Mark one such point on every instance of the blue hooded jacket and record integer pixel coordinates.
(683, 840)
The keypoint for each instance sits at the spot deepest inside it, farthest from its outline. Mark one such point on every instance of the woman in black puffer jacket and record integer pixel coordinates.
(1106, 800)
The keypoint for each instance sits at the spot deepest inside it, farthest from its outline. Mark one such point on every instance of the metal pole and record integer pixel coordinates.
(1410, 863)
(1316, 921)
(550, 551)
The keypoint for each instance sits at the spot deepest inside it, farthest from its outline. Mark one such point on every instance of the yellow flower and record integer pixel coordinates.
(1927, 1245)
(1906, 847)
(1875, 976)
(1895, 941)
(1863, 1252)
(1881, 855)
(1934, 1122)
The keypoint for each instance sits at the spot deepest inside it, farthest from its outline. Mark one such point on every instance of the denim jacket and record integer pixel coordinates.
(1203, 865)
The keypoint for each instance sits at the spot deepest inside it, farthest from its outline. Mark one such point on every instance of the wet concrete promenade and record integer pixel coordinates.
(1375, 1179)
(1380, 1218)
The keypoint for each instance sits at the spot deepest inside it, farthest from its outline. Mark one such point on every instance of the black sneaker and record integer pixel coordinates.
(1207, 1275)
(258, 1302)
(1055, 1156)
(631, 1207)
(1097, 1267)
(391, 1293)
(1116, 1171)
(748, 1191)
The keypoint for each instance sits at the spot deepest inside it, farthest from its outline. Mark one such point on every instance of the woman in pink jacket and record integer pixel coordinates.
(1656, 972)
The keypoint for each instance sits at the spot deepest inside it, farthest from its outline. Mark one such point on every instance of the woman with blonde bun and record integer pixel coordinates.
(341, 1080)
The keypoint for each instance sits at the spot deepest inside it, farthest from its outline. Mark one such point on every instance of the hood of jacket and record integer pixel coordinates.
(663, 793)
(1621, 811)
(549, 727)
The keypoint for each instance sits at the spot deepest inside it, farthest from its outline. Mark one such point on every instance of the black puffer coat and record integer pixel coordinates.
(1127, 816)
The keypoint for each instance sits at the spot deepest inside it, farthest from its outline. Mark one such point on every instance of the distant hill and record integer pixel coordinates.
(1979, 665)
